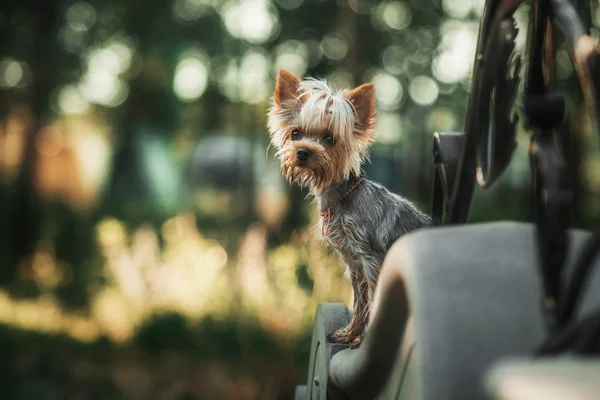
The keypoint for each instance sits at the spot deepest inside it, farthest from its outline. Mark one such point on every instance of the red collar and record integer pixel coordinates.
(325, 214)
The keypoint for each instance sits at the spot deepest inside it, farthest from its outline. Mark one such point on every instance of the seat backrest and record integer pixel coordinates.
(473, 298)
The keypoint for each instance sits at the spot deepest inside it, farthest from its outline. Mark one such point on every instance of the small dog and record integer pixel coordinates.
(322, 137)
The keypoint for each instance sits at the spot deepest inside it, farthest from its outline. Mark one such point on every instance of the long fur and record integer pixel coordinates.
(363, 226)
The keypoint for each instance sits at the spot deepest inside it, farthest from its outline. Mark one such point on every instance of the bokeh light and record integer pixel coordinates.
(191, 10)
(441, 119)
(100, 87)
(362, 7)
(123, 51)
(423, 90)
(92, 153)
(72, 101)
(102, 83)
(12, 142)
(334, 46)
(252, 20)
(477, 6)
(457, 8)
(191, 78)
(106, 59)
(11, 73)
(388, 90)
(293, 56)
(72, 40)
(14, 73)
(81, 16)
(389, 128)
(392, 15)
(49, 141)
(254, 74)
(216, 256)
(455, 61)
(393, 59)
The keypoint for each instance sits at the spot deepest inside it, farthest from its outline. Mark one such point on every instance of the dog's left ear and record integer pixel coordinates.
(363, 99)
(286, 87)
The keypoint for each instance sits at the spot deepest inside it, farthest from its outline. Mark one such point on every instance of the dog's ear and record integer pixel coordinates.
(363, 99)
(286, 87)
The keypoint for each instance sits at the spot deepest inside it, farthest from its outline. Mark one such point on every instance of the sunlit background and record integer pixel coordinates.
(149, 247)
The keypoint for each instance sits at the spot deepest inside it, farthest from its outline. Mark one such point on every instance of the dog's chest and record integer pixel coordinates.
(343, 234)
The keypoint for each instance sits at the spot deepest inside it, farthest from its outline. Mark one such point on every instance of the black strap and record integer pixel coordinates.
(437, 211)
(446, 153)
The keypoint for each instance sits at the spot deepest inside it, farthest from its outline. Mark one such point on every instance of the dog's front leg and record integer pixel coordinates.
(354, 332)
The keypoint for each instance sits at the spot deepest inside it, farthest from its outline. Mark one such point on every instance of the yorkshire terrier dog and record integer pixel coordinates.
(322, 137)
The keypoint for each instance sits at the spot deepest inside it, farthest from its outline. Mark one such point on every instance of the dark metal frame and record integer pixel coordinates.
(489, 142)
(489, 136)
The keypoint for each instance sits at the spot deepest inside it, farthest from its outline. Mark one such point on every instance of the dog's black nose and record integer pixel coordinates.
(303, 154)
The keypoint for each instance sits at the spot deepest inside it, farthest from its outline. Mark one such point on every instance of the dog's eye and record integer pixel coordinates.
(295, 134)
(329, 139)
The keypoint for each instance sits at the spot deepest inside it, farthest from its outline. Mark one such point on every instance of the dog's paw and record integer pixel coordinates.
(342, 336)
(345, 336)
(356, 342)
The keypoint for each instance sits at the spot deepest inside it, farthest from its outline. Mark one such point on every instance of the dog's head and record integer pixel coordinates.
(321, 135)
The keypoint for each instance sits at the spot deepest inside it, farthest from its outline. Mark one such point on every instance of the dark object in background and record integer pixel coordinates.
(224, 162)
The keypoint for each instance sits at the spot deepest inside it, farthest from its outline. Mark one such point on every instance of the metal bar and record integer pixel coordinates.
(462, 192)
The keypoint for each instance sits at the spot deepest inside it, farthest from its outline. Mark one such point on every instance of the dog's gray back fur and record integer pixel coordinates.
(367, 222)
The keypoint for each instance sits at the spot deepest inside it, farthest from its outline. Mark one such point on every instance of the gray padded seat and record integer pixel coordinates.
(473, 297)
(548, 379)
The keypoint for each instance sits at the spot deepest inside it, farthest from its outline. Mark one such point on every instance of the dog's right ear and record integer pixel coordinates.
(286, 87)
(363, 100)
